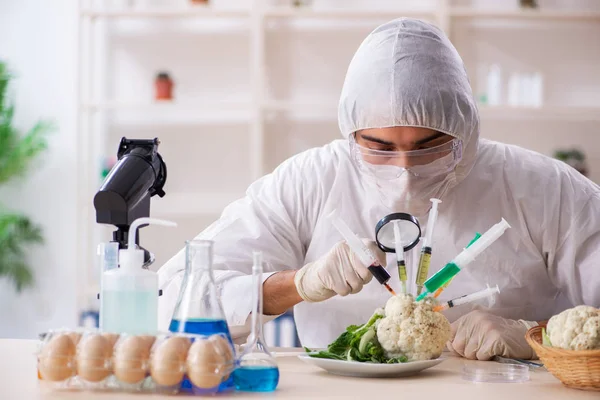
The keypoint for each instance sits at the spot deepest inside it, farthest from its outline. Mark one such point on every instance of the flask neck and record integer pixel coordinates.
(257, 305)
(201, 272)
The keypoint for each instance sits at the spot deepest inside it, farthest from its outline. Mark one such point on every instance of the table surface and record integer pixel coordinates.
(302, 381)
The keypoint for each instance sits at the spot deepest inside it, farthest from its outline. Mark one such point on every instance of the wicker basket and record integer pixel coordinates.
(575, 369)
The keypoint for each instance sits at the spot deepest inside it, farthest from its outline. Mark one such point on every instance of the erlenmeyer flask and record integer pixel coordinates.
(198, 309)
(257, 369)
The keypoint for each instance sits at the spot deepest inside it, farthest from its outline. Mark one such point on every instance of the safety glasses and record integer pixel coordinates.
(390, 165)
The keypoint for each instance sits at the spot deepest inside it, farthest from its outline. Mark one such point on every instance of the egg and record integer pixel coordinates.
(75, 337)
(130, 358)
(56, 358)
(168, 361)
(148, 340)
(205, 364)
(111, 338)
(93, 358)
(224, 348)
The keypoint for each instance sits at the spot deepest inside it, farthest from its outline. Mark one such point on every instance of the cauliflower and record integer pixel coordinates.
(403, 331)
(575, 329)
(412, 329)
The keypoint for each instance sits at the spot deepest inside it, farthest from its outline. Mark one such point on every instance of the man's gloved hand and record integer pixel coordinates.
(338, 272)
(481, 336)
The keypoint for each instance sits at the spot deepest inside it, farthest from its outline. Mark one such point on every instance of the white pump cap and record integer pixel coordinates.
(132, 257)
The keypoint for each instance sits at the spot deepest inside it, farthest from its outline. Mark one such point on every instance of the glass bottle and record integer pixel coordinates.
(257, 369)
(198, 309)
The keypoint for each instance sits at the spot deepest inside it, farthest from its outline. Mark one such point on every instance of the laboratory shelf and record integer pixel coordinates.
(291, 12)
(357, 13)
(173, 113)
(328, 111)
(571, 114)
(524, 14)
(182, 12)
(303, 111)
(278, 105)
(192, 204)
(165, 105)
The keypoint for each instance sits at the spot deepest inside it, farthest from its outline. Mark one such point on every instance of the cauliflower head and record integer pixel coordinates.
(412, 329)
(577, 328)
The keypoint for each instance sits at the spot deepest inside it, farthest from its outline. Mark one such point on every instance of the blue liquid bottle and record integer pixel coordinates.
(257, 369)
(198, 309)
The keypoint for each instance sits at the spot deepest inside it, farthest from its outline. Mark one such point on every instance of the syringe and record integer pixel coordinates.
(400, 256)
(445, 285)
(425, 259)
(487, 292)
(362, 251)
(463, 259)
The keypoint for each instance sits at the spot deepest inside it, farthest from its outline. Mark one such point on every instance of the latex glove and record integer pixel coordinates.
(340, 271)
(481, 336)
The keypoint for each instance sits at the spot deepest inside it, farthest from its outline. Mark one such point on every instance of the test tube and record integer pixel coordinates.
(400, 256)
(425, 259)
(482, 294)
(464, 258)
(362, 251)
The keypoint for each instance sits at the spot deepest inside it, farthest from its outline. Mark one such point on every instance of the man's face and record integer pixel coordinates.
(376, 143)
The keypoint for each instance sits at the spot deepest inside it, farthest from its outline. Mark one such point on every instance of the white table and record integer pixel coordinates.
(301, 381)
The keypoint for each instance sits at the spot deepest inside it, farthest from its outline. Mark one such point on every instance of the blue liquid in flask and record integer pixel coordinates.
(256, 378)
(202, 326)
(205, 327)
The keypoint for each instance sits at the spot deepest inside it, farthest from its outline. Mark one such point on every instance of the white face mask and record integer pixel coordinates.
(410, 193)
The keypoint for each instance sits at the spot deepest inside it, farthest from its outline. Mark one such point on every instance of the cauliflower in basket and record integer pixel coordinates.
(575, 329)
(412, 329)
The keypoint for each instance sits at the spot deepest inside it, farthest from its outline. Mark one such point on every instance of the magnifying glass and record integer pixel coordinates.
(397, 233)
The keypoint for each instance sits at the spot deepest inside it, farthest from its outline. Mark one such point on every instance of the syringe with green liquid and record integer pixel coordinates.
(445, 285)
(463, 259)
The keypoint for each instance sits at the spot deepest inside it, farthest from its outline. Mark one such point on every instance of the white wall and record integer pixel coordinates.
(38, 40)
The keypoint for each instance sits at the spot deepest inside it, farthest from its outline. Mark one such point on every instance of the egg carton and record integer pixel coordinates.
(163, 363)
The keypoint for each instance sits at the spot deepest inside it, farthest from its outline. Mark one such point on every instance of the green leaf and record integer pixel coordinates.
(373, 319)
(327, 355)
(365, 340)
(17, 149)
(341, 344)
(357, 343)
(545, 338)
(397, 360)
(18, 152)
(17, 234)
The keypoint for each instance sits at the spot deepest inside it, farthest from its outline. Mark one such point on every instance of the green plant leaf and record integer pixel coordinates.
(17, 234)
(17, 152)
(545, 338)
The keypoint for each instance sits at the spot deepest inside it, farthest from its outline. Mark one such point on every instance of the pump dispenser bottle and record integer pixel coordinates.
(129, 298)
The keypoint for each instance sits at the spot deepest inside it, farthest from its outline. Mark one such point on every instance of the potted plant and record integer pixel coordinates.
(574, 157)
(17, 151)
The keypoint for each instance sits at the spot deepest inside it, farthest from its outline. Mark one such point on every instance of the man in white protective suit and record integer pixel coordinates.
(410, 132)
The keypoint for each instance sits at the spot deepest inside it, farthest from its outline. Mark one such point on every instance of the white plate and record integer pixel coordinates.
(370, 370)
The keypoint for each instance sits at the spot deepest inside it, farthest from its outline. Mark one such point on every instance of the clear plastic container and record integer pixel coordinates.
(486, 372)
(95, 360)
